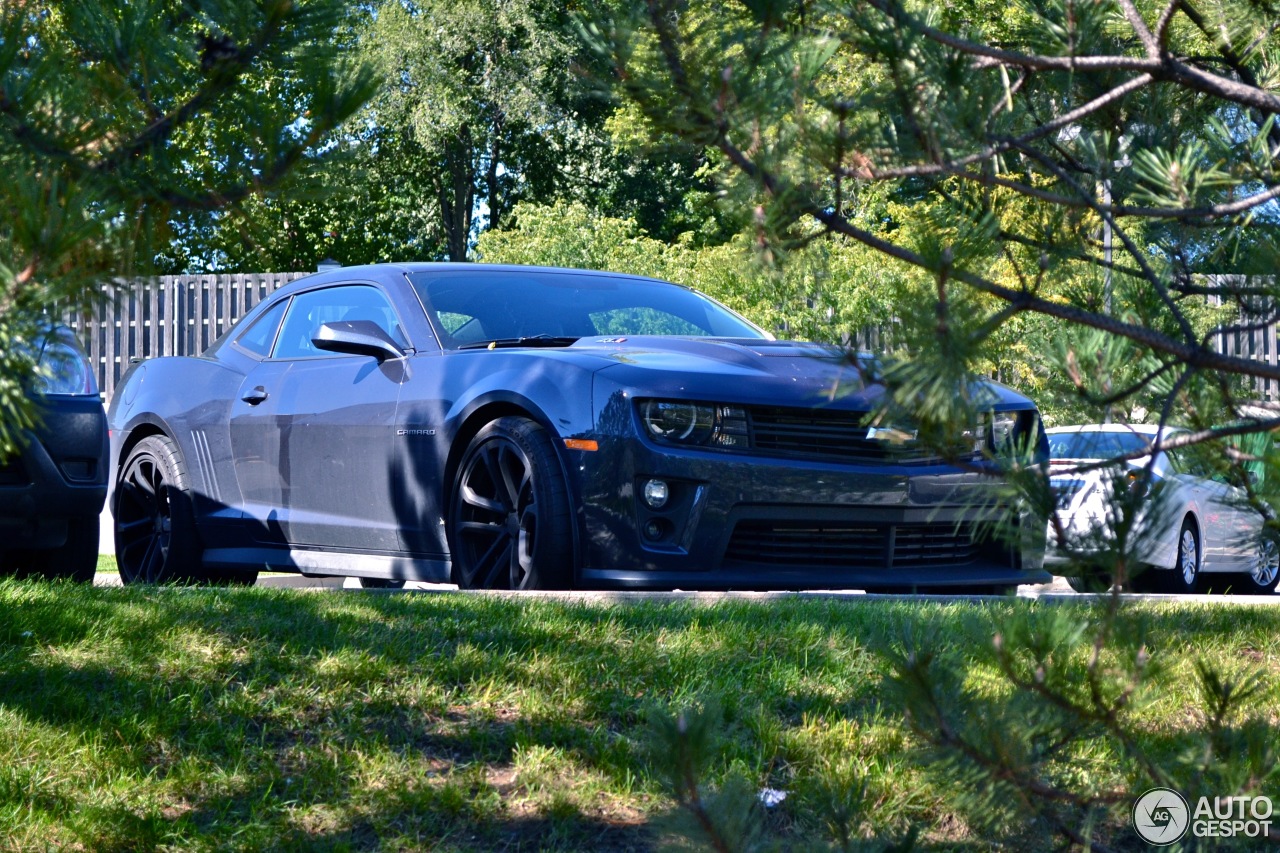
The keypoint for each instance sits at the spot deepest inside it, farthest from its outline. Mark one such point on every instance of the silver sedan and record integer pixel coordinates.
(1188, 523)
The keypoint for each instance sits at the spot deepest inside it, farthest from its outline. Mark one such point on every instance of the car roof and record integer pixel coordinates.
(343, 274)
(1138, 429)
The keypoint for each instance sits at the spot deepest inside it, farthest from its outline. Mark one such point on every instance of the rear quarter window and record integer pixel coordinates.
(259, 337)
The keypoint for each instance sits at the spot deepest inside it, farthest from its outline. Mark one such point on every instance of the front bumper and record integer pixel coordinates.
(750, 522)
(60, 474)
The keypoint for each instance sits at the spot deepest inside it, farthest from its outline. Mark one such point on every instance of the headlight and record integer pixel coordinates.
(690, 423)
(1003, 425)
(63, 369)
(1011, 434)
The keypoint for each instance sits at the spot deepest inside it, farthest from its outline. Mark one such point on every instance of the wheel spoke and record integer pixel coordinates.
(482, 528)
(146, 571)
(485, 557)
(133, 494)
(492, 467)
(129, 535)
(141, 479)
(143, 541)
(472, 498)
(501, 563)
(513, 475)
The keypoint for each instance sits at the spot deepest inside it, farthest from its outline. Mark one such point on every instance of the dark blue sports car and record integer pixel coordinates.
(520, 428)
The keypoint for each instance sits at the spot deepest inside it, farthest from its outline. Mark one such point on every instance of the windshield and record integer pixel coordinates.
(475, 306)
(1095, 445)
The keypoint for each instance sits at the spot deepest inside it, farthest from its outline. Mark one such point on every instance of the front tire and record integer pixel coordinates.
(510, 525)
(1185, 577)
(156, 537)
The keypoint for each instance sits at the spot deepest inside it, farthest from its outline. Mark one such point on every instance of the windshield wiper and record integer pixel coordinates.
(530, 341)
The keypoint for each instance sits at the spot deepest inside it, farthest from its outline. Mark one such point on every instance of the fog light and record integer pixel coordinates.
(656, 494)
(654, 529)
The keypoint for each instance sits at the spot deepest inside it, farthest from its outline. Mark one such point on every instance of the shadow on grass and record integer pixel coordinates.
(317, 721)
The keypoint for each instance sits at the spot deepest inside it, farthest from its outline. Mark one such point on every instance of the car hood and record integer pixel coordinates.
(750, 371)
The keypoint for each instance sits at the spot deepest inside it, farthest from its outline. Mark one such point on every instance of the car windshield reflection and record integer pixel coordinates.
(477, 309)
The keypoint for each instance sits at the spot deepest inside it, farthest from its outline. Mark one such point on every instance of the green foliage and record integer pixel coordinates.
(117, 118)
(827, 292)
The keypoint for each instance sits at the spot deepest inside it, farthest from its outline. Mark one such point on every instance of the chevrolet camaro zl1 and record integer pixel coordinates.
(522, 427)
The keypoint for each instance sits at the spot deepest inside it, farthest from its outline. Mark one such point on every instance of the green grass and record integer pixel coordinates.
(247, 719)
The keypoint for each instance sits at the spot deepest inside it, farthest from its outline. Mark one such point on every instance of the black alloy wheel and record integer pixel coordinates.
(156, 537)
(509, 518)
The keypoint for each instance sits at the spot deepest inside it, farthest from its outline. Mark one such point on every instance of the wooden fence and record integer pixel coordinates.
(1252, 335)
(1258, 344)
(168, 315)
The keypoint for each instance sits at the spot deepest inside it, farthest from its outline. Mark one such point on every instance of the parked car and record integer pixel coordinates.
(521, 427)
(1192, 525)
(53, 487)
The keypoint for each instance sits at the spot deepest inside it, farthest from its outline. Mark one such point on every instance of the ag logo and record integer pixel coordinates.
(1161, 816)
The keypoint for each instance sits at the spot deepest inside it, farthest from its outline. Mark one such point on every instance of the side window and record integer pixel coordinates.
(308, 311)
(259, 337)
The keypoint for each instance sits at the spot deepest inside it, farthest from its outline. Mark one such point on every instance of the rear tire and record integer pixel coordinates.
(155, 529)
(74, 560)
(510, 525)
(380, 583)
(1262, 579)
(1090, 583)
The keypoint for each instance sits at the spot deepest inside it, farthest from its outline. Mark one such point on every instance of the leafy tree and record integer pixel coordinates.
(485, 89)
(361, 201)
(115, 116)
(829, 292)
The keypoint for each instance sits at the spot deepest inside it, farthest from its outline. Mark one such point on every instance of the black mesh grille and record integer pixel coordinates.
(832, 435)
(852, 546)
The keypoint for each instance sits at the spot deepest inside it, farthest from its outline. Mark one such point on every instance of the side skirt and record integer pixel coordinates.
(327, 563)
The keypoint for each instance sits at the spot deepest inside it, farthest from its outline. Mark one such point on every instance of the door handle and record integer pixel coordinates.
(256, 396)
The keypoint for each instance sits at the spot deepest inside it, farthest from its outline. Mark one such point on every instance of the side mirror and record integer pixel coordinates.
(357, 337)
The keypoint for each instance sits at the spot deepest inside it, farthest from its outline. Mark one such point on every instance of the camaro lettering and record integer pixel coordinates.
(415, 432)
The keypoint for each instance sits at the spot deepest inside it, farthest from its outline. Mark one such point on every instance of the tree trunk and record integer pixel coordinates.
(457, 195)
(491, 178)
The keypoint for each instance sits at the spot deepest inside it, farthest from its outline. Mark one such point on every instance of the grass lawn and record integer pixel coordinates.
(247, 719)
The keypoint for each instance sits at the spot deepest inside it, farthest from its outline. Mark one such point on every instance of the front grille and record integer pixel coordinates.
(827, 434)
(852, 546)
